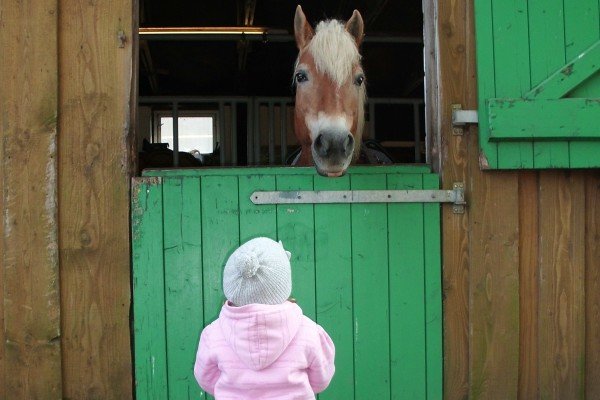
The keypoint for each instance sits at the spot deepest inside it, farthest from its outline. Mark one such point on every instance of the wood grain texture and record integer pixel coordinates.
(592, 286)
(562, 301)
(31, 303)
(95, 65)
(528, 285)
(494, 285)
(455, 72)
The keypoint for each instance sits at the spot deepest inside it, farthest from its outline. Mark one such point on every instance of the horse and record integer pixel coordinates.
(330, 93)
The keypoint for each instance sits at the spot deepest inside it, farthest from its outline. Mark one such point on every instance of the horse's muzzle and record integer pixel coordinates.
(332, 152)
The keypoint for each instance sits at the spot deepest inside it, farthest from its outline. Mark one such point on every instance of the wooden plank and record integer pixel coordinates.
(407, 293)
(183, 283)
(457, 70)
(528, 285)
(582, 29)
(30, 355)
(370, 293)
(433, 293)
(592, 286)
(220, 237)
(333, 279)
(494, 285)
(371, 169)
(567, 77)
(431, 55)
(2, 338)
(562, 300)
(485, 72)
(562, 119)
(512, 74)
(296, 229)
(256, 220)
(149, 290)
(95, 75)
(547, 54)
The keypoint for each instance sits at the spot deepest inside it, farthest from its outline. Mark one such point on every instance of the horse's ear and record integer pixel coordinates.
(302, 29)
(356, 27)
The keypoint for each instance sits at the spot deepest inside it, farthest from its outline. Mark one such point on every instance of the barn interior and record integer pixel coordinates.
(222, 71)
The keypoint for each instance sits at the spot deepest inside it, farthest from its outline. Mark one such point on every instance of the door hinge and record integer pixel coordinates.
(455, 196)
(461, 117)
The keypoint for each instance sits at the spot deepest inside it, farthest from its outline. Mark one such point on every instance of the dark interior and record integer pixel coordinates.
(392, 54)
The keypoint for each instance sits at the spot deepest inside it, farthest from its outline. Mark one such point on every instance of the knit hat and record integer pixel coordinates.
(258, 272)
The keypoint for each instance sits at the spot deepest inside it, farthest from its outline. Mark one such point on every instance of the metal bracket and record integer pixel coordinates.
(461, 117)
(455, 196)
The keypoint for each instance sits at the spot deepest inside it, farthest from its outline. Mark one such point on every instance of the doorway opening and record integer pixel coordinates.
(232, 62)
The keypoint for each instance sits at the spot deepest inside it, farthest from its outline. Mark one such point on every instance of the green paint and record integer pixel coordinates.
(561, 82)
(228, 171)
(547, 47)
(407, 292)
(519, 119)
(511, 65)
(333, 276)
(295, 228)
(582, 28)
(537, 50)
(370, 292)
(433, 292)
(368, 273)
(149, 286)
(485, 76)
(183, 282)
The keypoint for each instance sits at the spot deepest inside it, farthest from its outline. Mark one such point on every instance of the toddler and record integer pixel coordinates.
(262, 346)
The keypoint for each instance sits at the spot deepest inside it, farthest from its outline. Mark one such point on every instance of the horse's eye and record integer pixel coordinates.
(359, 80)
(300, 77)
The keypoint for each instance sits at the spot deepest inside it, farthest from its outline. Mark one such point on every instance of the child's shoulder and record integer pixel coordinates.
(310, 328)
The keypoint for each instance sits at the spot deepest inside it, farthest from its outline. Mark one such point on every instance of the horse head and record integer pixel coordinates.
(330, 92)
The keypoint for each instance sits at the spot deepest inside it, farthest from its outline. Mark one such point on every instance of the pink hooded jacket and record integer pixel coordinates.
(261, 351)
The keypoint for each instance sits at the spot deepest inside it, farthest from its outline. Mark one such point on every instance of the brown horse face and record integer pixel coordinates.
(330, 93)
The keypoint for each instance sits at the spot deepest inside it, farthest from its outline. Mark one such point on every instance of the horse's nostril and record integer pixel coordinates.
(348, 144)
(349, 141)
(321, 146)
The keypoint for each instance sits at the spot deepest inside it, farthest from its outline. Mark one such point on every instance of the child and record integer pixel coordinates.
(262, 346)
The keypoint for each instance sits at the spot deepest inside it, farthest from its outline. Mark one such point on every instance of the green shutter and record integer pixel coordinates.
(538, 65)
(370, 274)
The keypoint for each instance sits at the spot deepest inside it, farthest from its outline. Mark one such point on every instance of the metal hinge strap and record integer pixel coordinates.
(455, 196)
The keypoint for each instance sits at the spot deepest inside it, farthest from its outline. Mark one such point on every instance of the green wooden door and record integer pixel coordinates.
(368, 273)
(538, 66)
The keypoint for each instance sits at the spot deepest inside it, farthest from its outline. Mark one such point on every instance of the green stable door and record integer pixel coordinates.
(370, 274)
(538, 78)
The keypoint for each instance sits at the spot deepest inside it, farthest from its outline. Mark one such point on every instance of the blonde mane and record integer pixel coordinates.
(334, 50)
(335, 54)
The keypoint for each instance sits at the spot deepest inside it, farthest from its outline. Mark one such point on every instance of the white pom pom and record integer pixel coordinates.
(250, 266)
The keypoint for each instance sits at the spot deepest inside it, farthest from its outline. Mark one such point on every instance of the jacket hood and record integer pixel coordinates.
(259, 333)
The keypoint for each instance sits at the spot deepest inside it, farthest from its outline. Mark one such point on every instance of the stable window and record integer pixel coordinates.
(196, 131)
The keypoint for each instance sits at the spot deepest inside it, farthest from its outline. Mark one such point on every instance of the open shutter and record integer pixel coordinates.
(538, 65)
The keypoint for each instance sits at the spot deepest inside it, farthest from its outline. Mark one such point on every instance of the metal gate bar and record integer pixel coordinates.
(455, 196)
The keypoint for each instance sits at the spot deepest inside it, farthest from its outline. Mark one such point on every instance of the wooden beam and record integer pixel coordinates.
(592, 286)
(30, 359)
(449, 60)
(562, 286)
(526, 120)
(529, 253)
(568, 77)
(96, 69)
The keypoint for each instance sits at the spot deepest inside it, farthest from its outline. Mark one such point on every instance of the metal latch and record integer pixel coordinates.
(461, 117)
(455, 196)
